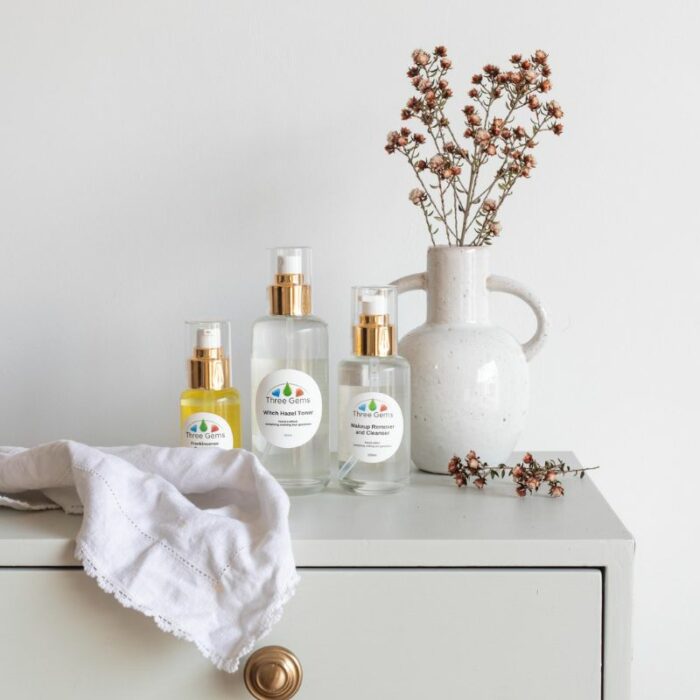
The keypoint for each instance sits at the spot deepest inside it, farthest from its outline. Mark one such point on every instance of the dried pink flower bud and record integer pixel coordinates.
(558, 129)
(406, 114)
(540, 57)
(482, 136)
(556, 491)
(474, 463)
(413, 71)
(532, 483)
(420, 57)
(530, 76)
(494, 228)
(419, 138)
(471, 455)
(440, 51)
(491, 150)
(446, 63)
(551, 475)
(533, 103)
(455, 461)
(516, 58)
(521, 491)
(460, 480)
(416, 195)
(421, 165)
(489, 205)
(474, 93)
(477, 78)
(474, 119)
(528, 458)
(545, 86)
(491, 70)
(517, 472)
(480, 483)
(436, 163)
(554, 109)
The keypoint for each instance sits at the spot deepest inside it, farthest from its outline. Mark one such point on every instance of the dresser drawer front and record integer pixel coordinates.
(482, 634)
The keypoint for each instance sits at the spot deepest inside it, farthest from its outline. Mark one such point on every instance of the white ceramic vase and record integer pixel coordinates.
(469, 378)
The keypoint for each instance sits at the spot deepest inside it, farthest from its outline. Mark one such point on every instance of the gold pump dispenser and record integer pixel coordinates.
(373, 334)
(290, 292)
(209, 366)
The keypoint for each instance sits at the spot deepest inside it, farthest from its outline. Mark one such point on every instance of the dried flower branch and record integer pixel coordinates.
(449, 173)
(528, 475)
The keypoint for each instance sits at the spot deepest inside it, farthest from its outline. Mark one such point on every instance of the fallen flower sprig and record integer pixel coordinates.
(528, 475)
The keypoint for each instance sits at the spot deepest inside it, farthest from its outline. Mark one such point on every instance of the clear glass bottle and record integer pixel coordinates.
(289, 377)
(210, 410)
(374, 395)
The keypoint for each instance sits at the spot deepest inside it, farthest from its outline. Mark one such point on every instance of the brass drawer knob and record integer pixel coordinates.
(273, 672)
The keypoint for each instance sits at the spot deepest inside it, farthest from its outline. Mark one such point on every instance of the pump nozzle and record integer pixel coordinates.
(373, 305)
(208, 338)
(289, 265)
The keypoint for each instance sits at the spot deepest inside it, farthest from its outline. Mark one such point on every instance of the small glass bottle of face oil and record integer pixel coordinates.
(289, 377)
(210, 410)
(374, 399)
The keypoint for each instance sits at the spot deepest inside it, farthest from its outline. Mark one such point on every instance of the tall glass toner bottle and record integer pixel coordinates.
(374, 393)
(289, 375)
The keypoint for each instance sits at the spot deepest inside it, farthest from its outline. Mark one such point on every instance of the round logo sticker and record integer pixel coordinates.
(206, 430)
(288, 407)
(375, 427)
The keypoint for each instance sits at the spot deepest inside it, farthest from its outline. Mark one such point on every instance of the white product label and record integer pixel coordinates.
(288, 408)
(375, 426)
(206, 430)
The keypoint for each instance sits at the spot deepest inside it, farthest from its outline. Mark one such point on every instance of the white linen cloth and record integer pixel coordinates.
(197, 539)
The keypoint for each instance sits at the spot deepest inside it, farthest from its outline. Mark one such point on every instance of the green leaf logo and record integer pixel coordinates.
(372, 405)
(287, 390)
(203, 426)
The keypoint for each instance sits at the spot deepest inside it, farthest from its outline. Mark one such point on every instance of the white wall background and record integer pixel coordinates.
(151, 151)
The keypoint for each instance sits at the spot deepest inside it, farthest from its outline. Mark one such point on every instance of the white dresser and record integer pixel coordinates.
(436, 592)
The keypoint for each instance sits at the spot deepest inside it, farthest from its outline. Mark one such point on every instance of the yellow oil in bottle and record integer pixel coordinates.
(215, 415)
(210, 410)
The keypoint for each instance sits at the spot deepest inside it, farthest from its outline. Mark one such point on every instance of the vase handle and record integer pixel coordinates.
(496, 283)
(410, 282)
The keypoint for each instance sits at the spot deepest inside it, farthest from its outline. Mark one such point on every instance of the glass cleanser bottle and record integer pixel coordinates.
(374, 399)
(210, 410)
(289, 375)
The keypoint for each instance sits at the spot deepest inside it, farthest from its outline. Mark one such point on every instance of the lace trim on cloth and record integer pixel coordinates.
(230, 664)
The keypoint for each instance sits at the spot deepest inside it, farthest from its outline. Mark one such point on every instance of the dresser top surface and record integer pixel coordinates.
(430, 523)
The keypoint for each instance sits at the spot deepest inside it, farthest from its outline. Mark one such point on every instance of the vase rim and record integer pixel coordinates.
(470, 248)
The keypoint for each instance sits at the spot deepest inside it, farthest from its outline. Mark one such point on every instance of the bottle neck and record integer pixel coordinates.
(289, 295)
(210, 369)
(374, 336)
